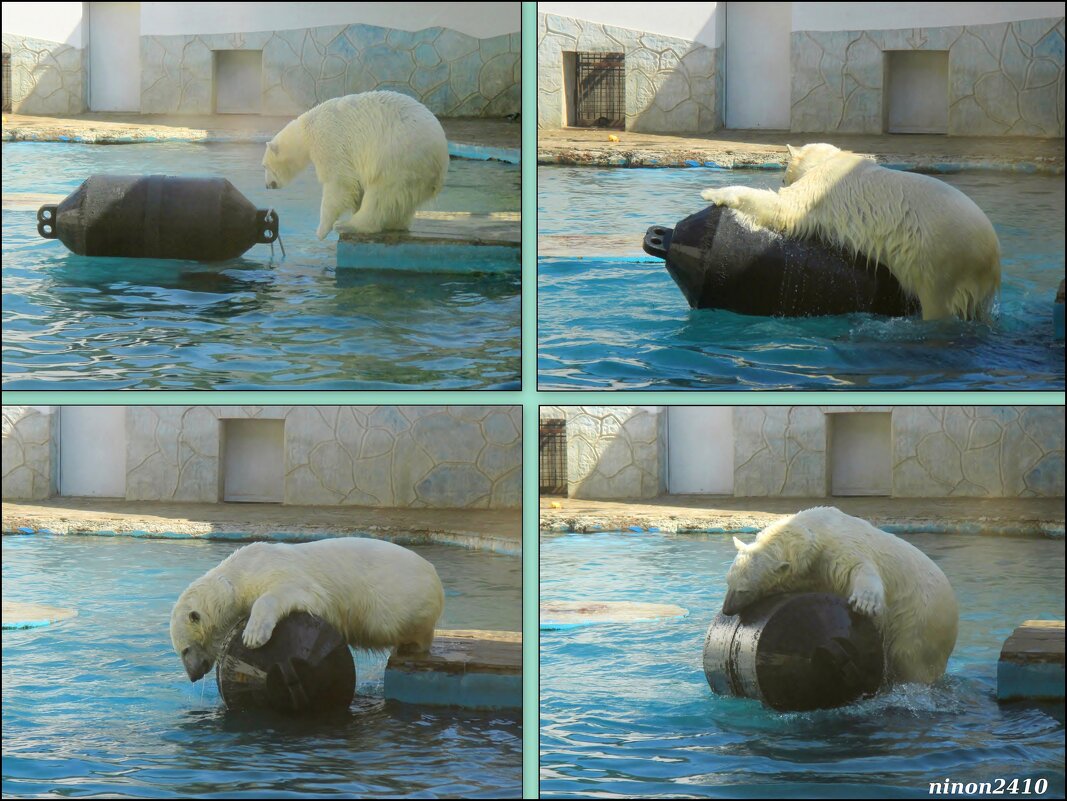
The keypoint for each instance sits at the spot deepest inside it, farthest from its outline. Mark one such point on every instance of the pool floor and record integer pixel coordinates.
(100, 705)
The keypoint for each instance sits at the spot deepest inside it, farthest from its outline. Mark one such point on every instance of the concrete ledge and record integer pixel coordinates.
(439, 242)
(556, 615)
(30, 616)
(1031, 665)
(472, 669)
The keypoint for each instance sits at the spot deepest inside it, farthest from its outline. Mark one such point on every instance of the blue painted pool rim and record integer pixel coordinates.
(1028, 529)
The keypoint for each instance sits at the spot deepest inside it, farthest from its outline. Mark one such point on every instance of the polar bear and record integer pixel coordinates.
(934, 239)
(378, 155)
(377, 594)
(825, 550)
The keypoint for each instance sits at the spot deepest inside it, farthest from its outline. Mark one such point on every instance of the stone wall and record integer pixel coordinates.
(616, 452)
(388, 456)
(613, 451)
(1004, 79)
(46, 77)
(672, 85)
(453, 74)
(978, 451)
(29, 453)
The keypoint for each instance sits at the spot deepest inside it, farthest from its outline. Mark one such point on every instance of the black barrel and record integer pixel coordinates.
(795, 652)
(305, 667)
(159, 217)
(720, 263)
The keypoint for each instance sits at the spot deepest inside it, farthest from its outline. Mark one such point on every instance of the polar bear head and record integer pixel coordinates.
(802, 159)
(286, 156)
(200, 619)
(781, 554)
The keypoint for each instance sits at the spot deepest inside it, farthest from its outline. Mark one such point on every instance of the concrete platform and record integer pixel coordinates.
(472, 669)
(30, 616)
(439, 242)
(1031, 665)
(557, 615)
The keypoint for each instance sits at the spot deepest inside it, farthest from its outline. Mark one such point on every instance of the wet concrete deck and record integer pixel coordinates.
(766, 149)
(468, 668)
(1031, 662)
(439, 242)
(105, 128)
(681, 513)
(491, 529)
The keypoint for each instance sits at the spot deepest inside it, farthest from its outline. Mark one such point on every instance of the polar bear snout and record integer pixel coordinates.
(736, 600)
(196, 663)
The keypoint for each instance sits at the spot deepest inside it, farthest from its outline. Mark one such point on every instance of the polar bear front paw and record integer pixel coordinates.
(727, 196)
(867, 602)
(257, 633)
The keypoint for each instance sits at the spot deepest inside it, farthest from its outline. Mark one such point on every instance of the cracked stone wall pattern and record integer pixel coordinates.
(780, 451)
(29, 453)
(613, 451)
(978, 451)
(451, 73)
(388, 456)
(1004, 78)
(46, 77)
(672, 85)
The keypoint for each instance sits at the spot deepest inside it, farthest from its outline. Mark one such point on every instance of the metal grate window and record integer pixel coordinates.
(599, 92)
(7, 83)
(552, 457)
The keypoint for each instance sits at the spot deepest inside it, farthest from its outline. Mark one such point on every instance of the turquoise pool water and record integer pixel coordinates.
(253, 322)
(626, 710)
(99, 705)
(623, 324)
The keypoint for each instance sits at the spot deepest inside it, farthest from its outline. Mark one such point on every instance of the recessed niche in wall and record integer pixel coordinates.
(861, 453)
(253, 458)
(552, 456)
(92, 451)
(238, 81)
(916, 91)
(700, 450)
(595, 90)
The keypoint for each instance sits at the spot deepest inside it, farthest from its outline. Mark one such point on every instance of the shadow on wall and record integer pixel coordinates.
(615, 452)
(46, 77)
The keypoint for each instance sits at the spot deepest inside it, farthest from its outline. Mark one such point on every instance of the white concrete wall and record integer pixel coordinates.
(253, 453)
(862, 16)
(114, 57)
(697, 22)
(52, 22)
(92, 451)
(700, 450)
(861, 453)
(475, 19)
(757, 65)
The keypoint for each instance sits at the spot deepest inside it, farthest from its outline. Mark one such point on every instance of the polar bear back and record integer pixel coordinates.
(365, 137)
(373, 591)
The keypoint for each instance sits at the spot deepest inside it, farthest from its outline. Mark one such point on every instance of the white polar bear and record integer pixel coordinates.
(378, 155)
(824, 550)
(937, 243)
(377, 594)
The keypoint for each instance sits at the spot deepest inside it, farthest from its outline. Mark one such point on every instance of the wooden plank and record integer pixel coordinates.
(449, 227)
(466, 651)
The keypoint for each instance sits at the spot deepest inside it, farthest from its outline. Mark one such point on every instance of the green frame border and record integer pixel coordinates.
(530, 399)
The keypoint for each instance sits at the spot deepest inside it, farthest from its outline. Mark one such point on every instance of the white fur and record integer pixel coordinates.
(937, 243)
(377, 594)
(378, 155)
(825, 550)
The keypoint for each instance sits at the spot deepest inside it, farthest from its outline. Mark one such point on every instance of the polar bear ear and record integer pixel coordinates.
(792, 152)
(781, 568)
(740, 545)
(273, 147)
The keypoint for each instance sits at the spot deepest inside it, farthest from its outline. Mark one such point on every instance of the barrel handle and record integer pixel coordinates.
(658, 241)
(294, 685)
(267, 225)
(46, 221)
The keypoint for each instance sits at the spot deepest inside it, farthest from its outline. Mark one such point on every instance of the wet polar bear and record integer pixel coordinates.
(378, 155)
(824, 550)
(377, 594)
(934, 239)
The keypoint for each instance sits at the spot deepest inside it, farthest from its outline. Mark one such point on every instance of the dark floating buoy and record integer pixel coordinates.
(719, 263)
(159, 217)
(305, 668)
(795, 652)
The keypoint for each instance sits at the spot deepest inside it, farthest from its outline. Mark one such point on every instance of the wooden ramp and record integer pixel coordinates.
(439, 242)
(1031, 662)
(473, 669)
